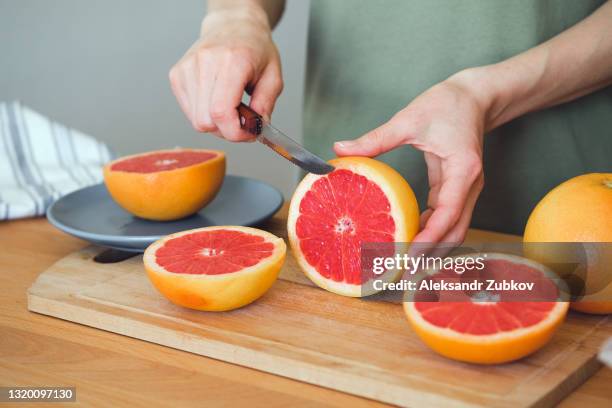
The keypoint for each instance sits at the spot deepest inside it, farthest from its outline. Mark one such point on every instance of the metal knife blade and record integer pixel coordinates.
(282, 144)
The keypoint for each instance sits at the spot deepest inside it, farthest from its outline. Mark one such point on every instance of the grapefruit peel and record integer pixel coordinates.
(403, 209)
(502, 347)
(168, 194)
(216, 292)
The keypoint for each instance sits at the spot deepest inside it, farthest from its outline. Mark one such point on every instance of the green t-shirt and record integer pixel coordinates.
(368, 59)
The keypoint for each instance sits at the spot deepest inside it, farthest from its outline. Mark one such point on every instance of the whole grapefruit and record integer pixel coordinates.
(166, 184)
(578, 210)
(330, 216)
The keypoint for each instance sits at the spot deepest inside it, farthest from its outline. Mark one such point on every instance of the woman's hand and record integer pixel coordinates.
(447, 123)
(235, 53)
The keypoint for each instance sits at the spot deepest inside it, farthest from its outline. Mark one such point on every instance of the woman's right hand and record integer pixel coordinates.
(235, 53)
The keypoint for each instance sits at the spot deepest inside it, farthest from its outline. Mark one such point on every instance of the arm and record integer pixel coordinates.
(273, 8)
(235, 53)
(448, 121)
(574, 63)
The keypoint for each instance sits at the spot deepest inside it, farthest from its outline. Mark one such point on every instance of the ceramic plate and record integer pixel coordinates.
(92, 215)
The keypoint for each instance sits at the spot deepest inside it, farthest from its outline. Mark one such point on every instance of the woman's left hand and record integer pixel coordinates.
(447, 123)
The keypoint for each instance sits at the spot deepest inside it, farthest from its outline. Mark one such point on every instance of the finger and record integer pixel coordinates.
(425, 216)
(426, 247)
(451, 239)
(434, 175)
(176, 84)
(226, 96)
(178, 89)
(442, 219)
(451, 200)
(458, 233)
(266, 91)
(376, 142)
(190, 75)
(206, 76)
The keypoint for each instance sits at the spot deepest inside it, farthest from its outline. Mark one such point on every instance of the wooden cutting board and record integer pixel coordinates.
(362, 347)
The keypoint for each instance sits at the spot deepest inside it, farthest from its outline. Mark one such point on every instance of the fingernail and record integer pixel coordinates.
(344, 143)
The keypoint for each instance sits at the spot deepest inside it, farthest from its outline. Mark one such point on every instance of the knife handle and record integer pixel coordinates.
(250, 120)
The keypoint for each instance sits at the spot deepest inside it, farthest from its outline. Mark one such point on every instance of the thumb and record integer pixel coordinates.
(378, 141)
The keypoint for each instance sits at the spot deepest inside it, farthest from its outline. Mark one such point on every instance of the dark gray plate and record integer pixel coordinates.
(92, 215)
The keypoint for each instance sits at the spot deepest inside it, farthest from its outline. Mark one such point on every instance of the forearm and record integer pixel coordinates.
(267, 12)
(574, 63)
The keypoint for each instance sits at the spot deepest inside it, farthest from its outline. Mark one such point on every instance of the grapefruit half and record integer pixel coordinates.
(166, 184)
(578, 210)
(215, 268)
(489, 328)
(332, 215)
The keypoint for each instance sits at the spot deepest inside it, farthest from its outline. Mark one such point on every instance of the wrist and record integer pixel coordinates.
(249, 14)
(482, 86)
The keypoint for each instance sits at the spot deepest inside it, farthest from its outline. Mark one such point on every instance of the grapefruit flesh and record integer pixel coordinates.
(494, 327)
(162, 161)
(215, 268)
(578, 210)
(165, 185)
(331, 235)
(213, 252)
(331, 216)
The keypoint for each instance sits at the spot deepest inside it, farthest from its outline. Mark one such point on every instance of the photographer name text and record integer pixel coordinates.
(443, 285)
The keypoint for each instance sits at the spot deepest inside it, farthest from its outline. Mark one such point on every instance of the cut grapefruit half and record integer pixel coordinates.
(332, 215)
(494, 327)
(215, 268)
(166, 184)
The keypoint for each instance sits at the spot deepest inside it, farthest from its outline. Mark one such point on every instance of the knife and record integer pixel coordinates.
(267, 134)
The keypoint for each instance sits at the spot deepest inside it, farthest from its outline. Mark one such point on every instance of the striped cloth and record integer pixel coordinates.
(41, 160)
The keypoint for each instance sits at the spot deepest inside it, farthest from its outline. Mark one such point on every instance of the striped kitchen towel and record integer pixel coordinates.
(42, 160)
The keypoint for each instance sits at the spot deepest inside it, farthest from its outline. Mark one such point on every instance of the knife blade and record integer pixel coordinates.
(282, 144)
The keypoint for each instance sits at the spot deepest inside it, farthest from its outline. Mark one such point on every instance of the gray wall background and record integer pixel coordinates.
(101, 66)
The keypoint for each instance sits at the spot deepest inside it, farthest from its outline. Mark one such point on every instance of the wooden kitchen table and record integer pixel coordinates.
(108, 369)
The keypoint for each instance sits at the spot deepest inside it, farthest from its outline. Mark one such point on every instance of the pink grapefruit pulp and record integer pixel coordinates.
(332, 216)
(215, 268)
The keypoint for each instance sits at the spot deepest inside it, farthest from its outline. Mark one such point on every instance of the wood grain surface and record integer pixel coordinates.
(113, 370)
(296, 330)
